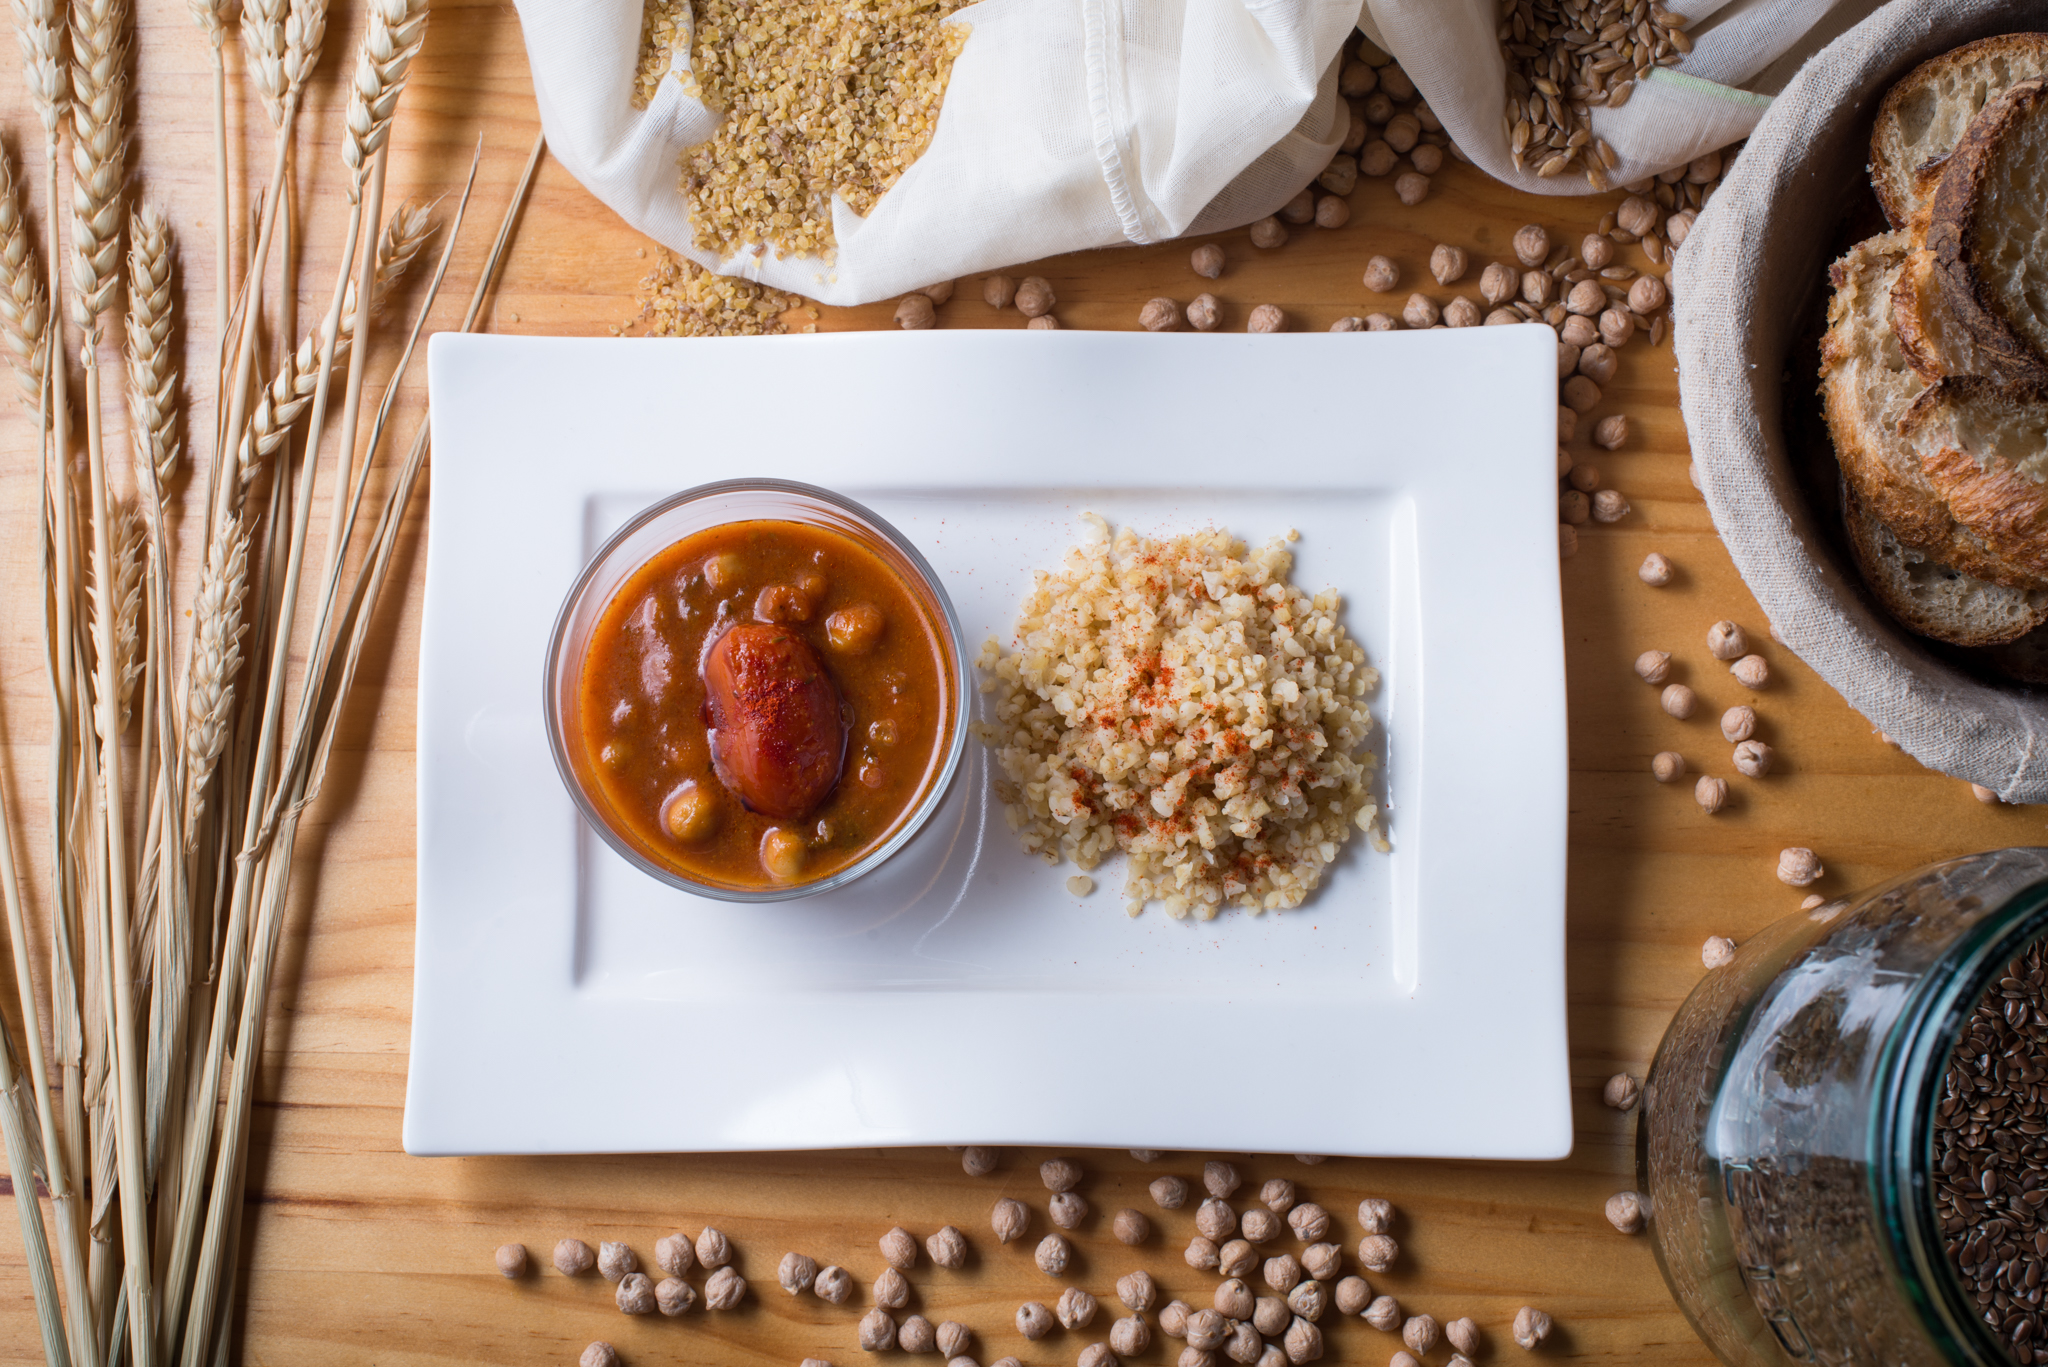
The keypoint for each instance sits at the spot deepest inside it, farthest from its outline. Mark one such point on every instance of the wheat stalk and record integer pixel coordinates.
(152, 364)
(216, 659)
(24, 306)
(397, 28)
(99, 146)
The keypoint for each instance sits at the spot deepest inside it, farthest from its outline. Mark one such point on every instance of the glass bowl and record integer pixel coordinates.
(695, 510)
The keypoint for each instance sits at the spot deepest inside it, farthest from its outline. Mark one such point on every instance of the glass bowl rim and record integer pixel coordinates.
(935, 793)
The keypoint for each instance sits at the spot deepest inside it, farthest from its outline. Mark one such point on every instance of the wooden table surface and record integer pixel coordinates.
(358, 1253)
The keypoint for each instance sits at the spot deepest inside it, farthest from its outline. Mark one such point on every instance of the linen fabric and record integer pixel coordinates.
(1750, 276)
(1067, 124)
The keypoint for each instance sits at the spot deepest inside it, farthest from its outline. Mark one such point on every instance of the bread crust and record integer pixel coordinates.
(1904, 185)
(1986, 494)
(1866, 538)
(1951, 241)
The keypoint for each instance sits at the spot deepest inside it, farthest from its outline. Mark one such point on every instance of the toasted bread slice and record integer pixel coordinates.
(1934, 343)
(1925, 113)
(1984, 446)
(1987, 237)
(1934, 599)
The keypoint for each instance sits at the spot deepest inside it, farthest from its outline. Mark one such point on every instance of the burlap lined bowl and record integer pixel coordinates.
(1750, 280)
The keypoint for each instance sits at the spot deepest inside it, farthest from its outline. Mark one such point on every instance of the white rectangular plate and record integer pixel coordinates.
(564, 1002)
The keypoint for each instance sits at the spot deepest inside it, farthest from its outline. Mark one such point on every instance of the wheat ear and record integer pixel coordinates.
(283, 400)
(397, 28)
(126, 536)
(216, 659)
(212, 17)
(263, 51)
(305, 28)
(24, 305)
(152, 364)
(39, 29)
(99, 81)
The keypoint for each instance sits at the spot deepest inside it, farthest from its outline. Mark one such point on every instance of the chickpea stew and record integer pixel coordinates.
(762, 703)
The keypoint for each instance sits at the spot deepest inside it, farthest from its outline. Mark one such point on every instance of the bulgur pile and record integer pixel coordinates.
(818, 99)
(679, 298)
(1179, 700)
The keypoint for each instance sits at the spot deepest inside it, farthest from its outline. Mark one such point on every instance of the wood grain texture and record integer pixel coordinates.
(357, 1253)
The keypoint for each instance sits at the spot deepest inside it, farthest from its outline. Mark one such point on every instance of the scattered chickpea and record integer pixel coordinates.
(1300, 209)
(1711, 793)
(1052, 1255)
(1137, 1291)
(1034, 1321)
(1653, 666)
(1977, 790)
(916, 1334)
(1207, 260)
(1811, 901)
(1267, 318)
(1678, 700)
(1402, 132)
(1145, 1155)
(1376, 158)
(1159, 315)
(1173, 1319)
(1738, 723)
(1340, 177)
(1586, 299)
(1532, 1326)
(1281, 1272)
(635, 1294)
(1169, 1193)
(1271, 1316)
(573, 1258)
(615, 1260)
(891, 1290)
(1333, 211)
(1617, 326)
(1621, 1092)
(1356, 79)
(1597, 363)
(1131, 1226)
(1584, 478)
(1009, 1219)
(1498, 283)
(1611, 432)
(1647, 294)
(1574, 508)
(1420, 311)
(1215, 1219)
(1353, 1294)
(1420, 1334)
(1538, 287)
(1447, 263)
(1751, 671)
(1034, 297)
(938, 293)
(947, 1248)
(1655, 570)
(1384, 1314)
(1597, 251)
(1308, 1299)
(796, 1272)
(1625, 1212)
(1567, 541)
(511, 1260)
(1376, 1252)
(1045, 322)
(1259, 1225)
(1717, 951)
(1462, 313)
(1668, 766)
(1580, 394)
(1234, 1298)
(724, 1289)
(915, 313)
(1610, 505)
(1799, 866)
(1753, 759)
(1129, 1336)
(1375, 1215)
(1204, 313)
(1381, 275)
(1411, 188)
(1309, 1221)
(1059, 1174)
(1725, 641)
(673, 1296)
(1237, 1258)
(1195, 1357)
(1302, 1342)
(1403, 1358)
(1382, 322)
(599, 1354)
(953, 1338)
(1207, 1329)
(998, 290)
(1636, 215)
(1322, 1261)
(1581, 333)
(1277, 1195)
(1269, 232)
(833, 1285)
(899, 1248)
(1068, 1210)
(977, 1160)
(1075, 1308)
(1532, 244)
(1396, 83)
(1427, 158)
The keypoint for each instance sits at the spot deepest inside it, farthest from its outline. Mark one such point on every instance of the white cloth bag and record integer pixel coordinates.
(1743, 51)
(1067, 124)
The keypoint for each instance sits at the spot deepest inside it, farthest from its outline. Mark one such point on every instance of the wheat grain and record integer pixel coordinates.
(397, 28)
(99, 82)
(1565, 58)
(39, 29)
(24, 304)
(152, 364)
(216, 658)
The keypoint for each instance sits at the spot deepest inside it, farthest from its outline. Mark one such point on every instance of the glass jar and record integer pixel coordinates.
(1786, 1137)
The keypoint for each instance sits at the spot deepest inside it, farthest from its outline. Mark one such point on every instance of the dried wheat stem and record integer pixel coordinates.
(397, 28)
(24, 307)
(152, 364)
(99, 146)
